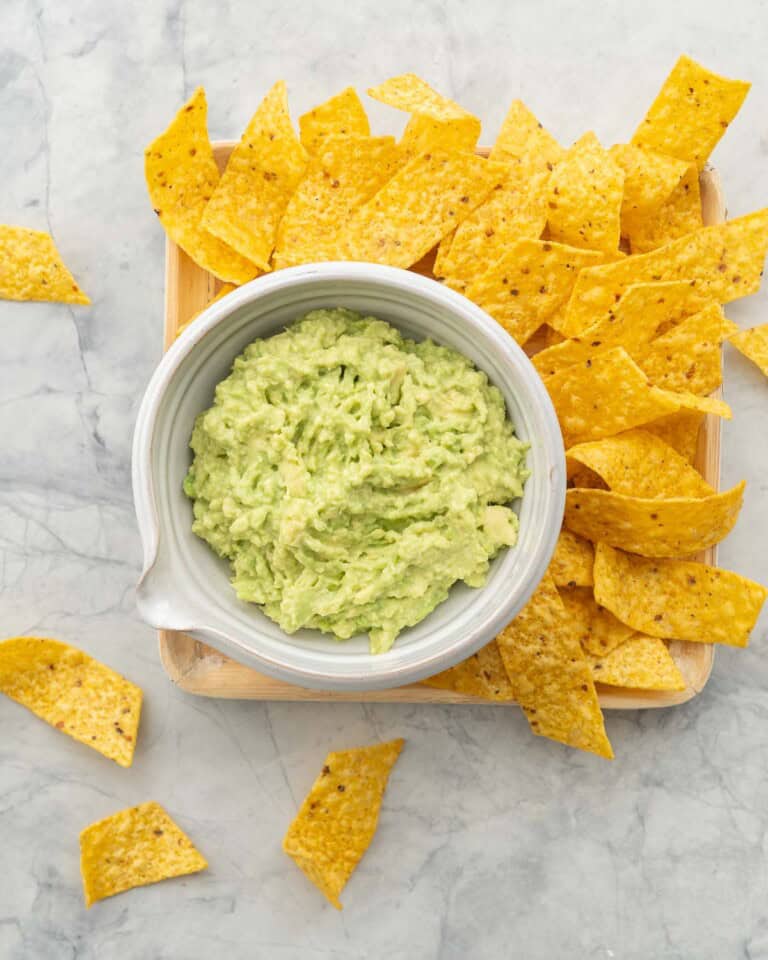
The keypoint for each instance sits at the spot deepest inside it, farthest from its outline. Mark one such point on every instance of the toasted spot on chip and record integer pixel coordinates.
(133, 848)
(73, 693)
(672, 527)
(679, 215)
(481, 675)
(597, 629)
(181, 176)
(31, 268)
(344, 173)
(680, 430)
(640, 663)
(691, 112)
(550, 676)
(339, 816)
(572, 561)
(261, 174)
(640, 464)
(753, 344)
(677, 599)
(529, 283)
(585, 191)
(723, 262)
(342, 115)
(649, 178)
(223, 291)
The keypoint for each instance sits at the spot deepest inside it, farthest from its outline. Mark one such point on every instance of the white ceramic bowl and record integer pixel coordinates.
(185, 586)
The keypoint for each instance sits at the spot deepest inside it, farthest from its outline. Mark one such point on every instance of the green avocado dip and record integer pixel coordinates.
(351, 477)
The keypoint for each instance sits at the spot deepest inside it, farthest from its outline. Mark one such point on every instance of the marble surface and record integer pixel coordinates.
(492, 843)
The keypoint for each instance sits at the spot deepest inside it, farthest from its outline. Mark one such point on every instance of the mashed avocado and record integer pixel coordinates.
(352, 476)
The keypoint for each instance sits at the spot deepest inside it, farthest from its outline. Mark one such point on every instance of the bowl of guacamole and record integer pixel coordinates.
(347, 476)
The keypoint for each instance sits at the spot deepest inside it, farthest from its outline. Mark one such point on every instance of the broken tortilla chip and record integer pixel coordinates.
(481, 675)
(678, 216)
(550, 676)
(679, 599)
(640, 663)
(691, 112)
(31, 268)
(181, 178)
(571, 564)
(342, 115)
(585, 191)
(133, 848)
(73, 693)
(261, 174)
(672, 527)
(753, 344)
(598, 630)
(338, 818)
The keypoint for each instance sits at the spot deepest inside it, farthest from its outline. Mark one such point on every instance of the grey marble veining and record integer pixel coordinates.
(492, 843)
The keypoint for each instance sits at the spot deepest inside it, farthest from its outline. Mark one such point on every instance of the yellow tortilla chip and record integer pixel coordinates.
(73, 693)
(31, 268)
(571, 564)
(597, 629)
(681, 214)
(342, 115)
(586, 189)
(638, 463)
(680, 430)
(688, 357)
(223, 291)
(753, 344)
(261, 174)
(525, 144)
(423, 134)
(649, 178)
(691, 112)
(632, 323)
(550, 676)
(672, 527)
(342, 175)
(723, 262)
(713, 405)
(525, 287)
(481, 675)
(181, 178)
(677, 599)
(133, 848)
(414, 210)
(413, 95)
(640, 663)
(338, 818)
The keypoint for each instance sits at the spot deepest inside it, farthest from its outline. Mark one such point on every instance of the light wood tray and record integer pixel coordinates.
(199, 669)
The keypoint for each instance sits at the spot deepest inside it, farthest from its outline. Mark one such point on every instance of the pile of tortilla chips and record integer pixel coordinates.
(598, 262)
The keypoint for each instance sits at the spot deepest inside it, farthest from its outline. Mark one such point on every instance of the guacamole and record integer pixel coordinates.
(351, 476)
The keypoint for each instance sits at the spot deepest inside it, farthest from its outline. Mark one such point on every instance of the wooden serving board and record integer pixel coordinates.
(199, 669)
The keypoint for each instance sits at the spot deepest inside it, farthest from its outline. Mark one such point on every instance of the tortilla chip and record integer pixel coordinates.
(423, 134)
(223, 291)
(525, 287)
(690, 401)
(31, 268)
(723, 262)
(638, 463)
(525, 144)
(342, 115)
(680, 430)
(338, 818)
(691, 112)
(181, 178)
(73, 693)
(649, 179)
(342, 175)
(261, 174)
(597, 629)
(133, 848)
(571, 564)
(631, 324)
(586, 189)
(481, 675)
(677, 598)
(640, 663)
(413, 95)
(681, 214)
(549, 674)
(414, 210)
(753, 344)
(673, 527)
(689, 357)
(584, 477)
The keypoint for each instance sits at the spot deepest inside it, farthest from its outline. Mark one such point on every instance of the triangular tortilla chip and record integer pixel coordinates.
(31, 268)
(678, 216)
(680, 430)
(481, 675)
(342, 115)
(597, 629)
(572, 561)
(753, 344)
(649, 179)
(640, 663)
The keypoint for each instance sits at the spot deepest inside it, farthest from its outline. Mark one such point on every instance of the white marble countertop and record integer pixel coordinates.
(493, 843)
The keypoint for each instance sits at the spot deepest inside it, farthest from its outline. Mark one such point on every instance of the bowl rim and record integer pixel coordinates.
(150, 525)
